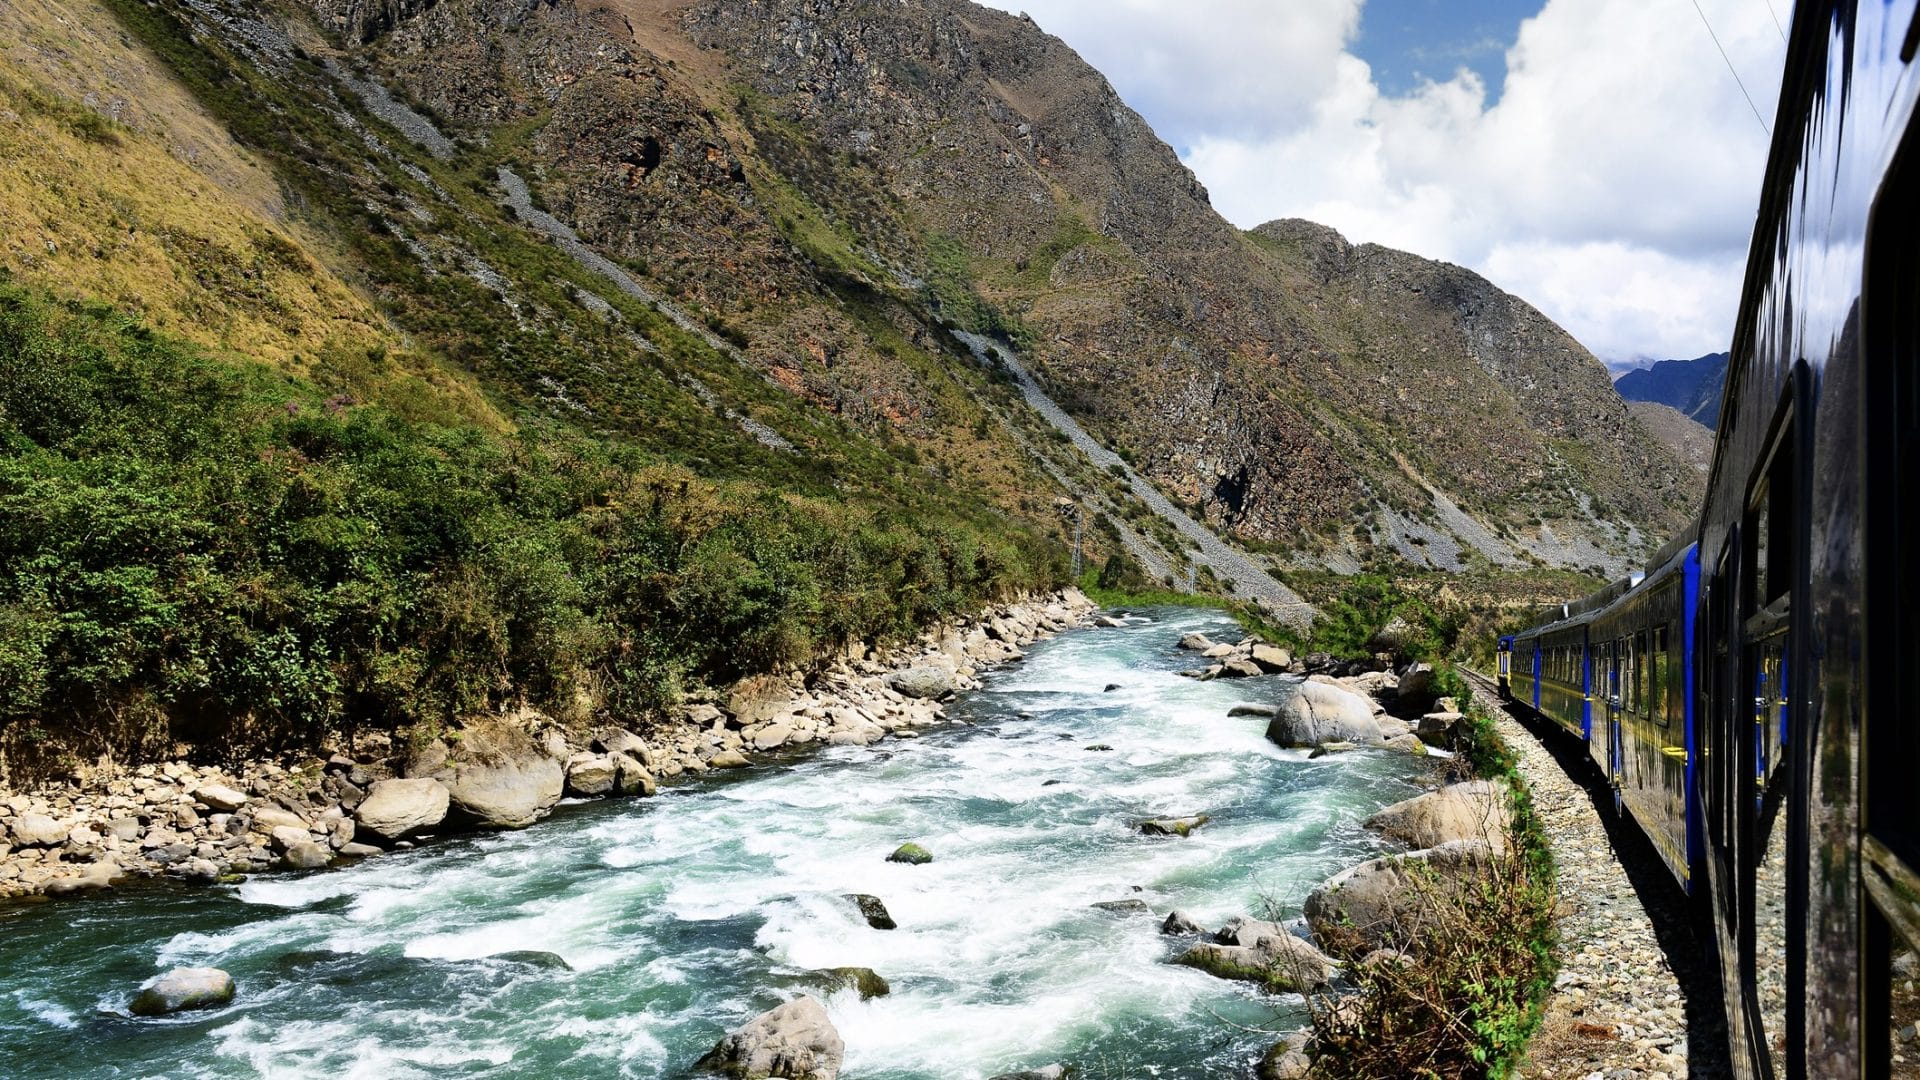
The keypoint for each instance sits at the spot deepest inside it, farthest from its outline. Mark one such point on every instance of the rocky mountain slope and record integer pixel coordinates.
(1688, 438)
(1693, 387)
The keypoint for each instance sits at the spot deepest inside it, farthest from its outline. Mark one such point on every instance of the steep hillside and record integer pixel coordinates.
(1687, 438)
(1693, 387)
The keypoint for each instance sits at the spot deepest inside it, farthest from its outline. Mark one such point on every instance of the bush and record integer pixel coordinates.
(197, 550)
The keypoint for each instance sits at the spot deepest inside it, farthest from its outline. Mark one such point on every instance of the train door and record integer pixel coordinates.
(1610, 705)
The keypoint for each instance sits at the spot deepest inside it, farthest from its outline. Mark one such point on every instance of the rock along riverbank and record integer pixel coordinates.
(207, 824)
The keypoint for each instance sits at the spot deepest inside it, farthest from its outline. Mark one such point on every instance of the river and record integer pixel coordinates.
(682, 916)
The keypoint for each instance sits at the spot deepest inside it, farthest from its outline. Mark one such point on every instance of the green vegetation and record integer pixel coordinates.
(206, 551)
(1426, 615)
(1475, 984)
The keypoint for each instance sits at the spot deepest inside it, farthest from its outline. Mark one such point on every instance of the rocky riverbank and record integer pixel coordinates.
(205, 824)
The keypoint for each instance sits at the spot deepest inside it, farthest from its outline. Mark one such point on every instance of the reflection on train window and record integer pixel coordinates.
(1631, 678)
(1661, 692)
(1757, 530)
(1640, 696)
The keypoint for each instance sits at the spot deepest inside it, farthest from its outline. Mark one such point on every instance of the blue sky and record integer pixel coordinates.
(1406, 41)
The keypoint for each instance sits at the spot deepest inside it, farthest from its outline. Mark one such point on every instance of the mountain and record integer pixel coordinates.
(1688, 438)
(1691, 386)
(748, 329)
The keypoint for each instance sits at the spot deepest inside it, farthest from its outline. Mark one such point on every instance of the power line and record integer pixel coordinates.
(1736, 75)
(1776, 21)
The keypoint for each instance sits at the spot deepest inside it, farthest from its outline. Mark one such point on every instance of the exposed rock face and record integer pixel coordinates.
(1375, 905)
(1473, 810)
(1317, 713)
(182, 989)
(395, 809)
(795, 1041)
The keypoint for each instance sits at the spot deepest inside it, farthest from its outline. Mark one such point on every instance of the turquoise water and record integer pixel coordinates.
(684, 915)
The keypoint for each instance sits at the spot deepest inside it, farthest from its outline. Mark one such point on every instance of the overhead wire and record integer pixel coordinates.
(1737, 81)
(1776, 21)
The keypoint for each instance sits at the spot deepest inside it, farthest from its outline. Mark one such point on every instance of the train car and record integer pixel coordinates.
(1807, 577)
(1642, 646)
(1775, 780)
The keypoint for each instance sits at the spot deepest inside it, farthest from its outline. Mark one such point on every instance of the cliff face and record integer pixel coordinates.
(828, 189)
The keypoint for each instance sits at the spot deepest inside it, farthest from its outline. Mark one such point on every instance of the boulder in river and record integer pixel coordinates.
(1173, 826)
(923, 681)
(1378, 904)
(1473, 810)
(502, 779)
(796, 1041)
(1179, 922)
(867, 982)
(182, 989)
(534, 958)
(1240, 668)
(728, 759)
(911, 854)
(873, 911)
(396, 809)
(1124, 907)
(1196, 642)
(1316, 713)
(306, 856)
(1044, 1072)
(1254, 709)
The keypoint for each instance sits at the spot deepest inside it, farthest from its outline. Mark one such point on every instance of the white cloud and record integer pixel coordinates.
(1613, 184)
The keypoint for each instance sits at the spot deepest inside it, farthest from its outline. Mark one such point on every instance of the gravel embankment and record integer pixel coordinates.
(1619, 1008)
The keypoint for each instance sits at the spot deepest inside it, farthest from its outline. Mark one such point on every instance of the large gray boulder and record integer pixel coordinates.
(1474, 810)
(1317, 713)
(925, 681)
(395, 809)
(795, 1041)
(181, 989)
(502, 779)
(1379, 903)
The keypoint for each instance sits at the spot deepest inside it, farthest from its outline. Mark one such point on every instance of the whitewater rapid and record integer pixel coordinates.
(682, 916)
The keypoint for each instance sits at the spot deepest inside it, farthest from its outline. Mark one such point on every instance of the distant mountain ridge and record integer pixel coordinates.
(1692, 387)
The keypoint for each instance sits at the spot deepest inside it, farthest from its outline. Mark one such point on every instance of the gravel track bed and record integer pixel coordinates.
(1634, 997)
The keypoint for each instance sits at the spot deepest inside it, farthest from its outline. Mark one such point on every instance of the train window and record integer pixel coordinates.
(1640, 689)
(1659, 685)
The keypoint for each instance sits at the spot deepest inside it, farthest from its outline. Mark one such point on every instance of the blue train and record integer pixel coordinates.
(1750, 695)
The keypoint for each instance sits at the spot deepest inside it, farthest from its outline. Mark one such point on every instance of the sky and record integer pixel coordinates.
(1596, 157)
